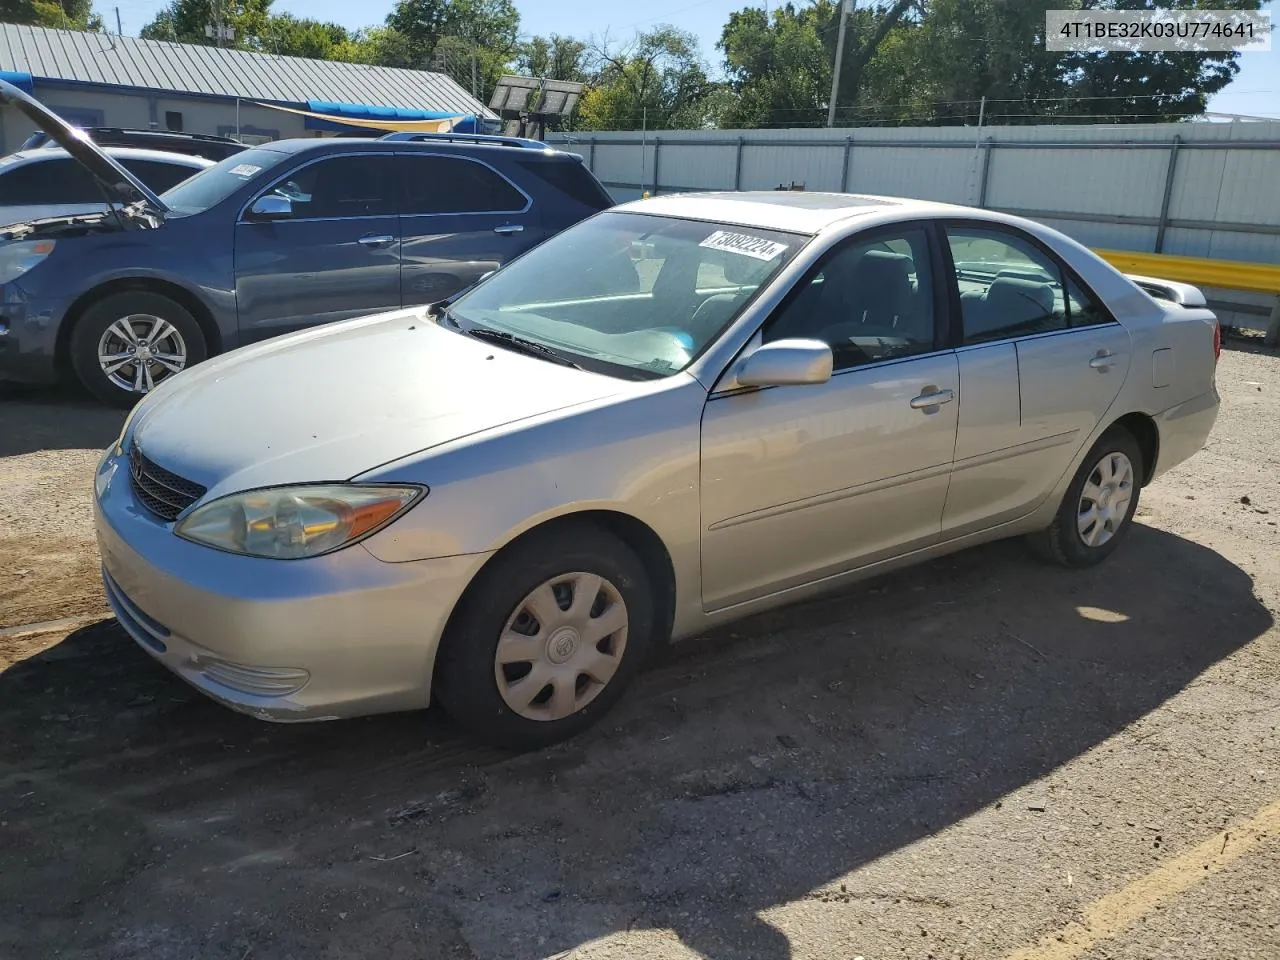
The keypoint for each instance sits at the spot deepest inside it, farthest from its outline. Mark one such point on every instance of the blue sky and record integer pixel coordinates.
(1255, 91)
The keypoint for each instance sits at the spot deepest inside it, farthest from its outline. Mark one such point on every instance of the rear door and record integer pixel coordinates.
(1041, 362)
(460, 218)
(337, 256)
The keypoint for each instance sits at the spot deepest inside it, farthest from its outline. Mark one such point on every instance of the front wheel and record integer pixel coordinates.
(128, 343)
(547, 639)
(1098, 507)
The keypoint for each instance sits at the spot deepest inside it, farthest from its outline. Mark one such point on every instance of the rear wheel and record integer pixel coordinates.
(1098, 507)
(547, 639)
(128, 343)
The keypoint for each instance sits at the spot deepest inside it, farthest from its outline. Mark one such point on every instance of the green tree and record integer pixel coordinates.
(554, 58)
(378, 46)
(659, 78)
(303, 37)
(63, 14)
(490, 24)
(777, 65)
(185, 21)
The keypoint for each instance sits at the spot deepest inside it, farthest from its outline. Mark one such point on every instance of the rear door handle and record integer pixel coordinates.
(509, 228)
(377, 240)
(1103, 360)
(931, 397)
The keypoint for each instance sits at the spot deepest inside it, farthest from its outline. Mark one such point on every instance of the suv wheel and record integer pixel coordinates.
(128, 343)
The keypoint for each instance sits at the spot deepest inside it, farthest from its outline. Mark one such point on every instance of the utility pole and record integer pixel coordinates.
(119, 29)
(846, 7)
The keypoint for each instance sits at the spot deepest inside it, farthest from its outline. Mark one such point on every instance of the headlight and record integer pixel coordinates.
(17, 258)
(289, 523)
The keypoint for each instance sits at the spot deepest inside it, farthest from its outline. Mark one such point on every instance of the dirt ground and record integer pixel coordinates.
(979, 758)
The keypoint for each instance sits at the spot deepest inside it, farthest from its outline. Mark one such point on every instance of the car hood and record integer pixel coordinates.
(336, 401)
(120, 183)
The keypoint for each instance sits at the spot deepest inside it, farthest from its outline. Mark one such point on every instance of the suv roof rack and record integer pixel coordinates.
(495, 141)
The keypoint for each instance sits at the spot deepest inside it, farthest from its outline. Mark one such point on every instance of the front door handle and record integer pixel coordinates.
(931, 396)
(509, 228)
(377, 240)
(1103, 360)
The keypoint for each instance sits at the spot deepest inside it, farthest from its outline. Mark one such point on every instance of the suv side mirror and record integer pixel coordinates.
(271, 206)
(787, 363)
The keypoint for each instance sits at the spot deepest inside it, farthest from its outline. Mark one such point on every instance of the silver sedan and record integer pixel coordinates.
(679, 412)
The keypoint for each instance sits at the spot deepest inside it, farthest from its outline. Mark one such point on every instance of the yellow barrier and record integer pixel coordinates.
(1228, 274)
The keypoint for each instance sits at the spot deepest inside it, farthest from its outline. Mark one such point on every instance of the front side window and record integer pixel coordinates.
(871, 299)
(340, 188)
(453, 185)
(1008, 286)
(627, 293)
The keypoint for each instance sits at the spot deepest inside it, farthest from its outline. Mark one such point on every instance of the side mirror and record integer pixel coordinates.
(787, 363)
(271, 206)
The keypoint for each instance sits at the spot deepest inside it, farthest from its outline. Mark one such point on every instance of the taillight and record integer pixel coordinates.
(1217, 340)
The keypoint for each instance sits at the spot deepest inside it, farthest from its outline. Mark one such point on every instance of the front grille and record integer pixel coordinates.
(161, 491)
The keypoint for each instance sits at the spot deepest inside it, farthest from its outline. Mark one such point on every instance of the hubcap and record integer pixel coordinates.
(138, 352)
(561, 646)
(1104, 500)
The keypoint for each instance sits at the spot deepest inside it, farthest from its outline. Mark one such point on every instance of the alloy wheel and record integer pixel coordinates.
(139, 351)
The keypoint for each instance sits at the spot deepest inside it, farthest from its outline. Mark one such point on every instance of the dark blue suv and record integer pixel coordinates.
(275, 238)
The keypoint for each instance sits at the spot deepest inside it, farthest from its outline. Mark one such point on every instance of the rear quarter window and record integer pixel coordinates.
(569, 178)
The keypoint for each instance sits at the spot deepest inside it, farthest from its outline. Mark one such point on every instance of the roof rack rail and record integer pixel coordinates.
(496, 141)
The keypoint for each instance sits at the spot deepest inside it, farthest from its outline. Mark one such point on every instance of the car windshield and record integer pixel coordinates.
(214, 184)
(629, 294)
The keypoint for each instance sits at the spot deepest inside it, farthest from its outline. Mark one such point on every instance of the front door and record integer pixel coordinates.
(805, 482)
(460, 219)
(336, 256)
(1040, 363)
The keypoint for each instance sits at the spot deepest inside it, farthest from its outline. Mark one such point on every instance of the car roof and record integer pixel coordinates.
(794, 211)
(120, 153)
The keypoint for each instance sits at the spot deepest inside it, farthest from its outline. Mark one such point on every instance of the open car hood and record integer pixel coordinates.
(121, 185)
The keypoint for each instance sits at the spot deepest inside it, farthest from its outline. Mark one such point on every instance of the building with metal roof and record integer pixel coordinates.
(101, 79)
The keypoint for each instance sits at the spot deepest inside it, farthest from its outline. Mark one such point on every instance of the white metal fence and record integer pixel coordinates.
(1198, 189)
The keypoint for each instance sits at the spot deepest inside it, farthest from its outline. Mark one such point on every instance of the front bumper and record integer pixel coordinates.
(28, 338)
(340, 635)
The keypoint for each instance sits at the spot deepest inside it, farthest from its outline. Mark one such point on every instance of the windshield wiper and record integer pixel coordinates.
(530, 347)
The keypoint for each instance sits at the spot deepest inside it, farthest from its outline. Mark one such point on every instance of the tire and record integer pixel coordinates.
(479, 692)
(181, 344)
(1070, 540)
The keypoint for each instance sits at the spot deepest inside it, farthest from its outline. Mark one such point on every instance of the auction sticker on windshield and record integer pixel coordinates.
(245, 170)
(757, 248)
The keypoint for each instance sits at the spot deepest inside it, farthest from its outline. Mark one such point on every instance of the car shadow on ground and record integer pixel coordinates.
(746, 770)
(54, 418)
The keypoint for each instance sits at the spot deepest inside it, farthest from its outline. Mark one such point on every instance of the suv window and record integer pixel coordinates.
(570, 178)
(157, 175)
(1008, 286)
(60, 180)
(435, 184)
(872, 299)
(355, 186)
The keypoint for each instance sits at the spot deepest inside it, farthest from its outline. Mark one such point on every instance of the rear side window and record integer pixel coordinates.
(1008, 287)
(435, 184)
(158, 176)
(570, 178)
(62, 180)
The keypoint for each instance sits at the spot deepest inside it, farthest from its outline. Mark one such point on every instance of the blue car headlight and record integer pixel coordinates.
(20, 256)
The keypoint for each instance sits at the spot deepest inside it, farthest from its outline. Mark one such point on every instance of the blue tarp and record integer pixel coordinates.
(362, 111)
(20, 80)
